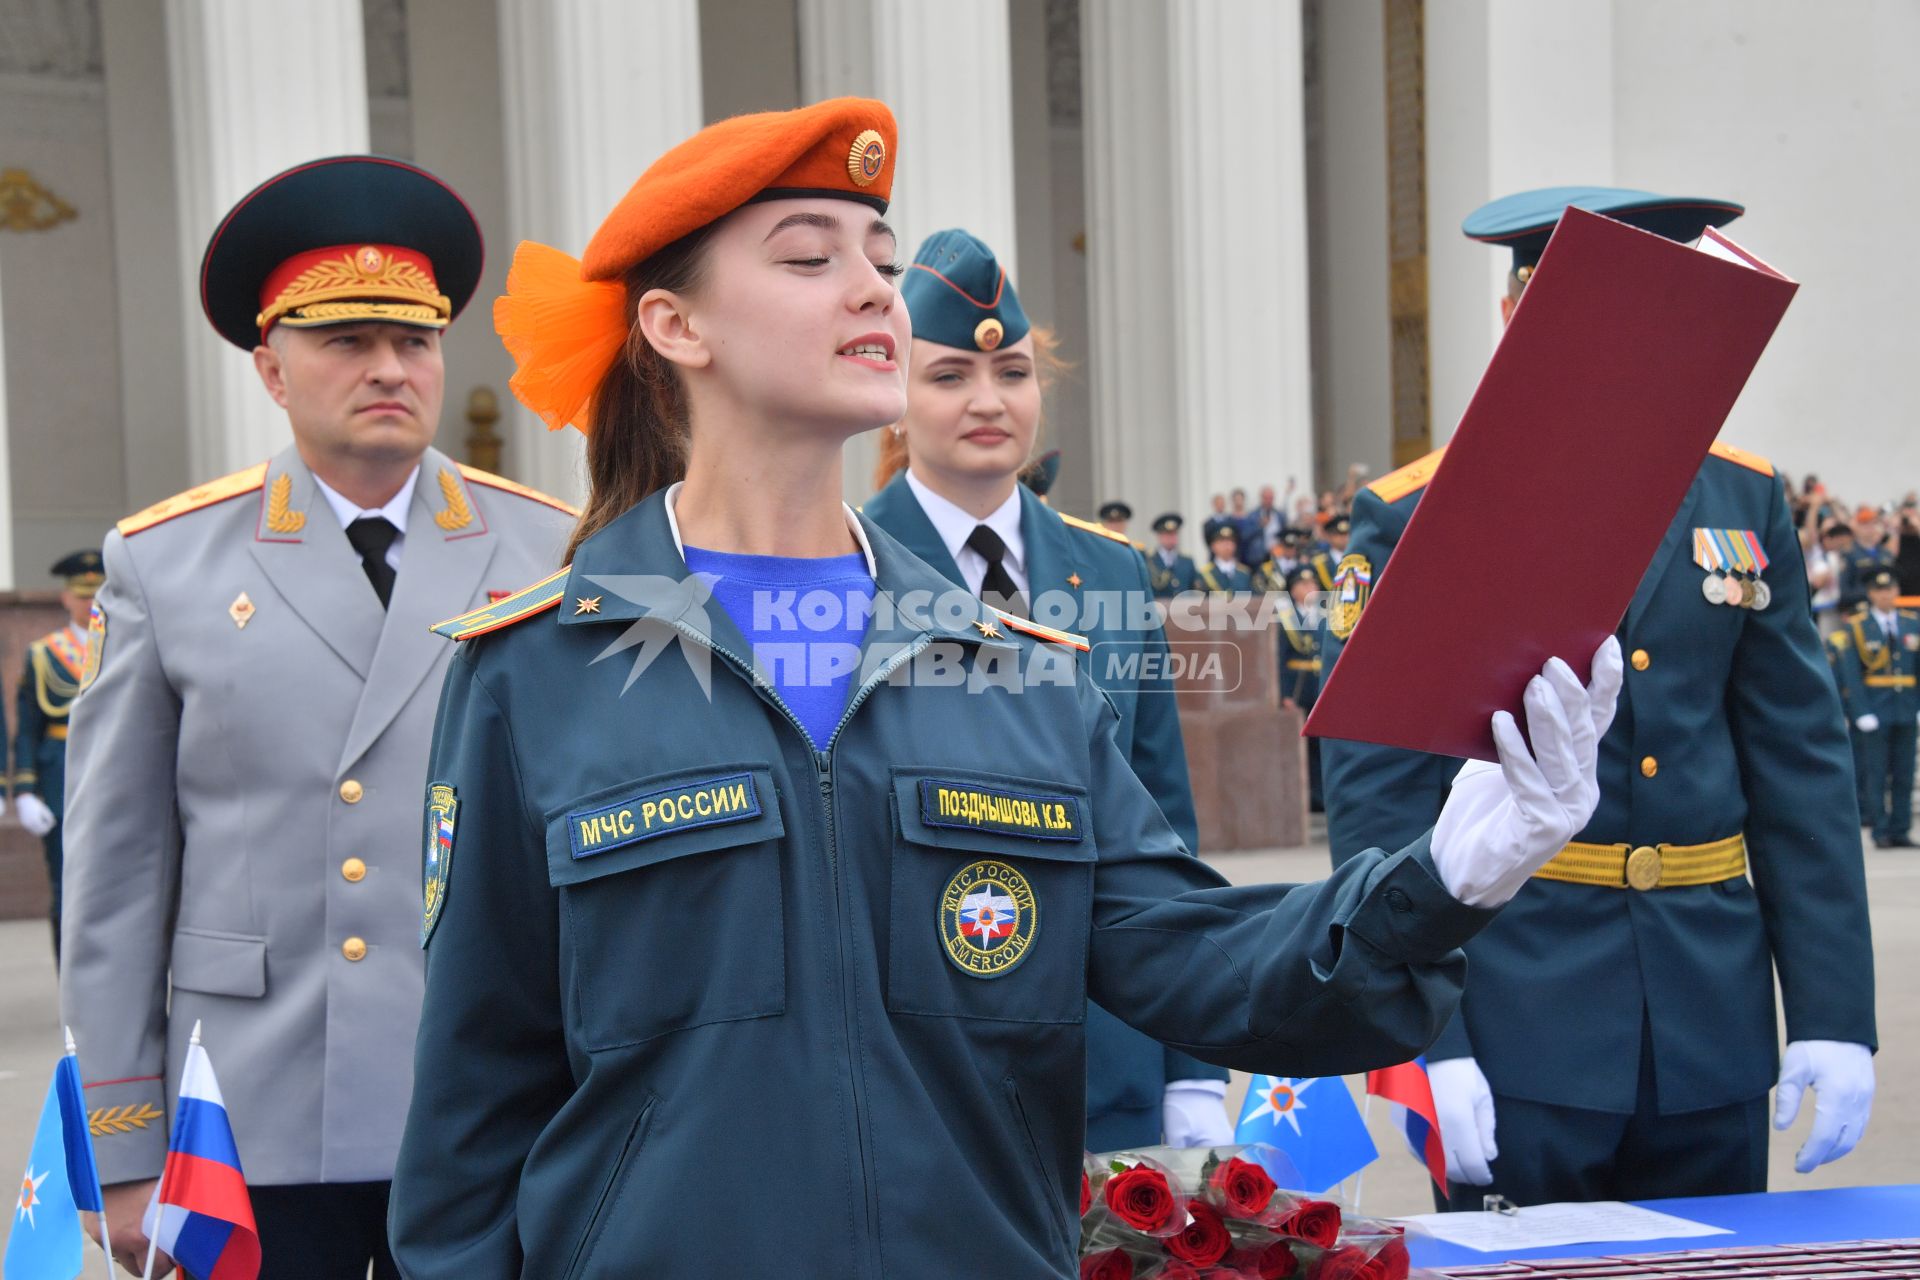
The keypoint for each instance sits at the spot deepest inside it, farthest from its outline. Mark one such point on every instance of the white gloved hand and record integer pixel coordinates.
(34, 814)
(1194, 1114)
(1504, 822)
(1868, 723)
(1463, 1103)
(1841, 1076)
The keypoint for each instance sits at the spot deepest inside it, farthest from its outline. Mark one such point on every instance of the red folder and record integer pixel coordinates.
(1620, 364)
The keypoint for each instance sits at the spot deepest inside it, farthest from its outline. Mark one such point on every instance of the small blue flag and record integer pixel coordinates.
(1314, 1121)
(44, 1240)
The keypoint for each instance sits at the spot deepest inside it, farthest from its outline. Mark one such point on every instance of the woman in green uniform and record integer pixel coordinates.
(760, 931)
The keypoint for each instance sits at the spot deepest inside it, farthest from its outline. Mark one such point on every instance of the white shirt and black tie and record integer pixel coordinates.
(377, 533)
(990, 553)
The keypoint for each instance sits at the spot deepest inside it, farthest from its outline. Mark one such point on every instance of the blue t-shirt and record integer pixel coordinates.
(805, 620)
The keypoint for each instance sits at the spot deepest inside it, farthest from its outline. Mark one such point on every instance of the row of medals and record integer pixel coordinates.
(1736, 589)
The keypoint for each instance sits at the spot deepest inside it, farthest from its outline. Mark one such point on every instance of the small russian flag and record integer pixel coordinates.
(205, 1217)
(1407, 1087)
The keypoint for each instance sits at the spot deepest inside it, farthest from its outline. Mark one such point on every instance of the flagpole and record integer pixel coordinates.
(153, 1241)
(106, 1237)
(1360, 1179)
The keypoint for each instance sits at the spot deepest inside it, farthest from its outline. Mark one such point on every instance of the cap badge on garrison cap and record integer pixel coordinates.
(987, 334)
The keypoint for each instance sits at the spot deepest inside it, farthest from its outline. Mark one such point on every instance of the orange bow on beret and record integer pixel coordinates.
(564, 320)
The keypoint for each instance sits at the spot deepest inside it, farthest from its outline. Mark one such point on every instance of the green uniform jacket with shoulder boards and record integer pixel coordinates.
(48, 686)
(1728, 724)
(1081, 562)
(242, 795)
(1877, 671)
(673, 937)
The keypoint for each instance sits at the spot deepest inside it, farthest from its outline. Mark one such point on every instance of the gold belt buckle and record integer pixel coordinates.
(1644, 868)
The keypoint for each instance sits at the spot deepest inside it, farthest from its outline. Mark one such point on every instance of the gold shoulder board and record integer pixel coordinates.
(475, 475)
(202, 495)
(524, 603)
(1396, 485)
(1033, 628)
(1751, 461)
(1091, 527)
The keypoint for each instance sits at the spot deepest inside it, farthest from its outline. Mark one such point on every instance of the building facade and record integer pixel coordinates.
(1239, 217)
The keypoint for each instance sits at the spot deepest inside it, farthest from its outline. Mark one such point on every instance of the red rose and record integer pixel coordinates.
(1113, 1264)
(1315, 1221)
(1176, 1270)
(1204, 1241)
(1140, 1198)
(1275, 1261)
(1346, 1263)
(1391, 1263)
(1086, 1194)
(1244, 1187)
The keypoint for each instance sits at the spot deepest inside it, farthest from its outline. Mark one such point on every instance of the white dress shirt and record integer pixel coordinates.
(955, 526)
(1889, 624)
(394, 513)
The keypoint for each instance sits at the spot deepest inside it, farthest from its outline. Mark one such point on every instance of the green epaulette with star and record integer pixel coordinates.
(507, 610)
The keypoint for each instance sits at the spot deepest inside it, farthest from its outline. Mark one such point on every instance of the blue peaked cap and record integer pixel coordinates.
(1524, 222)
(959, 295)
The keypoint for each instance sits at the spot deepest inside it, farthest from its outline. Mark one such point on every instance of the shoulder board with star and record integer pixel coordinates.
(475, 475)
(1090, 527)
(504, 612)
(201, 495)
(1396, 485)
(1740, 457)
(1032, 628)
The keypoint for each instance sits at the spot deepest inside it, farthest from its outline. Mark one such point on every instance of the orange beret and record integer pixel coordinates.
(842, 148)
(565, 322)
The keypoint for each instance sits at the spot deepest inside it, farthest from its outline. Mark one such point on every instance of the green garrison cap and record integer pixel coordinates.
(1524, 222)
(959, 295)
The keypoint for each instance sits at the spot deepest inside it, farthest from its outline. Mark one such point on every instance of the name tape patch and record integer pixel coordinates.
(1011, 813)
(655, 813)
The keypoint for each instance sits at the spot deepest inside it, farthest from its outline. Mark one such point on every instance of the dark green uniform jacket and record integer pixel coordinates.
(704, 1000)
(1170, 579)
(1728, 724)
(1127, 1074)
(47, 689)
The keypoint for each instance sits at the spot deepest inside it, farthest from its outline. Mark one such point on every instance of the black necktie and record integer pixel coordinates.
(371, 536)
(997, 588)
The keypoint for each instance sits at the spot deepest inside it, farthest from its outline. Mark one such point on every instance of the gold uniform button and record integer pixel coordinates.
(1641, 660)
(353, 870)
(1648, 766)
(354, 949)
(351, 791)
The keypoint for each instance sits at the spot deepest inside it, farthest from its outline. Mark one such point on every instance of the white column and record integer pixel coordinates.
(6, 471)
(1519, 96)
(946, 71)
(258, 86)
(594, 92)
(1197, 249)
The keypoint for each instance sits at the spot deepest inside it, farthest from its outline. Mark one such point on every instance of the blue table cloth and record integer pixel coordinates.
(1778, 1217)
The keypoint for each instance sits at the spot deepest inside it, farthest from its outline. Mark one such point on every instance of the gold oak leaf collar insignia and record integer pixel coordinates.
(458, 514)
(279, 519)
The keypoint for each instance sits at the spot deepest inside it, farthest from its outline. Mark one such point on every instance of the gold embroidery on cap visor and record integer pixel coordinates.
(364, 285)
(987, 334)
(868, 157)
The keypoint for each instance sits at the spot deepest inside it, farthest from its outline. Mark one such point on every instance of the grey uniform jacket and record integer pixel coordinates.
(243, 809)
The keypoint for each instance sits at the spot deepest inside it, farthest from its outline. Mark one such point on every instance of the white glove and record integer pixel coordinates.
(1841, 1075)
(34, 814)
(1503, 822)
(1194, 1114)
(1463, 1103)
(1868, 723)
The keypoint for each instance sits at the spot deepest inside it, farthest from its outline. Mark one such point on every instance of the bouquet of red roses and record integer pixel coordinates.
(1215, 1213)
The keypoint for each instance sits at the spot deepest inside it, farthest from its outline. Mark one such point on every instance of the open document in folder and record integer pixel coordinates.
(1622, 361)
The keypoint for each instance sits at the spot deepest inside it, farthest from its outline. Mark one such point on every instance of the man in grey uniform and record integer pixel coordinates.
(249, 747)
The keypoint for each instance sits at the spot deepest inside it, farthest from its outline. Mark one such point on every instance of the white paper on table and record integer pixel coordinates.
(1543, 1226)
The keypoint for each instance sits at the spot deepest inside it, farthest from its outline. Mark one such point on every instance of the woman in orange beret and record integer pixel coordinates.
(767, 874)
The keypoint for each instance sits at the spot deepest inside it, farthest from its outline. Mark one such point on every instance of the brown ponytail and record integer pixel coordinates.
(1047, 366)
(637, 441)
